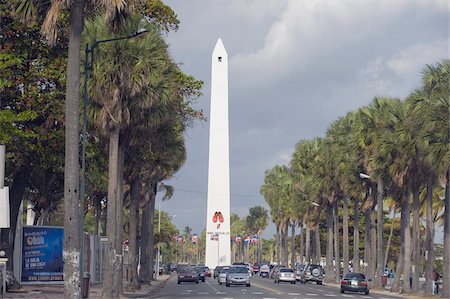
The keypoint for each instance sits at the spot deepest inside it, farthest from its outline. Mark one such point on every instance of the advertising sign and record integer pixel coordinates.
(42, 260)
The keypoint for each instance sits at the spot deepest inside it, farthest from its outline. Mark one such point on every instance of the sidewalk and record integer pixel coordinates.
(95, 291)
(393, 294)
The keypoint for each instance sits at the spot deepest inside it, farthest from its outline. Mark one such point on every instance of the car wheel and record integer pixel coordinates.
(319, 282)
(367, 292)
(342, 291)
(179, 282)
(247, 285)
(227, 284)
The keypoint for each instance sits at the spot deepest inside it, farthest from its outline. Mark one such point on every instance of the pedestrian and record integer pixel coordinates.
(433, 281)
(391, 277)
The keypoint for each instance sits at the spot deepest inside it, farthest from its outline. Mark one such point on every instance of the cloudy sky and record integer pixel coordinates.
(295, 66)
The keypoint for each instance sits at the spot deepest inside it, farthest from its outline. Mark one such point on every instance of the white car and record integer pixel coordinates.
(222, 278)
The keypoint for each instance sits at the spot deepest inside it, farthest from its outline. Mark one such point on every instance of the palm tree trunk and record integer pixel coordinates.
(144, 272)
(151, 231)
(367, 242)
(302, 244)
(284, 244)
(71, 252)
(391, 233)
(111, 261)
(277, 244)
(446, 276)
(337, 256)
(119, 221)
(317, 238)
(329, 273)
(401, 258)
(308, 244)
(293, 244)
(416, 241)
(407, 264)
(356, 235)
(429, 237)
(345, 240)
(380, 233)
(373, 250)
(133, 281)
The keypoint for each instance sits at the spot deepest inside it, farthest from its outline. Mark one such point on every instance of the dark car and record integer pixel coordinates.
(187, 274)
(217, 271)
(312, 272)
(355, 282)
(201, 273)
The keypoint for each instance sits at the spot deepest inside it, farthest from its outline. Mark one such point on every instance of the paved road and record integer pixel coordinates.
(261, 288)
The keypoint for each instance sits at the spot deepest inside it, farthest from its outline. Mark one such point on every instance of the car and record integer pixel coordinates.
(298, 271)
(286, 275)
(274, 270)
(355, 282)
(206, 270)
(264, 271)
(201, 273)
(217, 271)
(312, 272)
(255, 268)
(222, 277)
(187, 274)
(237, 275)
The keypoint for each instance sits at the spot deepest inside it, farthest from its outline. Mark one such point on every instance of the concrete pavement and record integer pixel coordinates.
(95, 291)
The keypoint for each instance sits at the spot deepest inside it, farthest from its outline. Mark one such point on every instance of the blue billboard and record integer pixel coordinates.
(42, 259)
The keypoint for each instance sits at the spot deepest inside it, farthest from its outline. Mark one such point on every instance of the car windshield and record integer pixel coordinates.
(187, 270)
(224, 270)
(354, 275)
(238, 270)
(286, 270)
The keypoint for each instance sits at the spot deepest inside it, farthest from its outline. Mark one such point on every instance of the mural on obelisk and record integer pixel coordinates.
(218, 208)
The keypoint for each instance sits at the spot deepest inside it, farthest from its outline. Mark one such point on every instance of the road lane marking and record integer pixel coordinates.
(257, 293)
(203, 293)
(312, 294)
(294, 294)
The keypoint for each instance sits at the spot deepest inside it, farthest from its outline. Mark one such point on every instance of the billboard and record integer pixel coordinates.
(42, 260)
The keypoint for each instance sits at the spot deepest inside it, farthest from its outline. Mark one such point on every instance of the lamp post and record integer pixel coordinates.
(159, 233)
(89, 66)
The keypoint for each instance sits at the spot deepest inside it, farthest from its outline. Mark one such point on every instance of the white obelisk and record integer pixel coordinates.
(218, 208)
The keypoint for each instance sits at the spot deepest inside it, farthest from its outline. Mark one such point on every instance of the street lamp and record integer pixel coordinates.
(89, 66)
(159, 233)
(364, 176)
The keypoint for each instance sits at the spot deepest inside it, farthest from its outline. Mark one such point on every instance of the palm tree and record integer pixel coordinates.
(434, 106)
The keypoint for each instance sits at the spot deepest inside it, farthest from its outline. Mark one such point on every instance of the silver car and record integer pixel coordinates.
(237, 275)
(222, 277)
(286, 275)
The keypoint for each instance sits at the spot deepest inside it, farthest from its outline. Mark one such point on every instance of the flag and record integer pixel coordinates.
(194, 238)
(247, 239)
(238, 239)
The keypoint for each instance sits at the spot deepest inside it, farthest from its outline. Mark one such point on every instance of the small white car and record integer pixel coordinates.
(222, 278)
